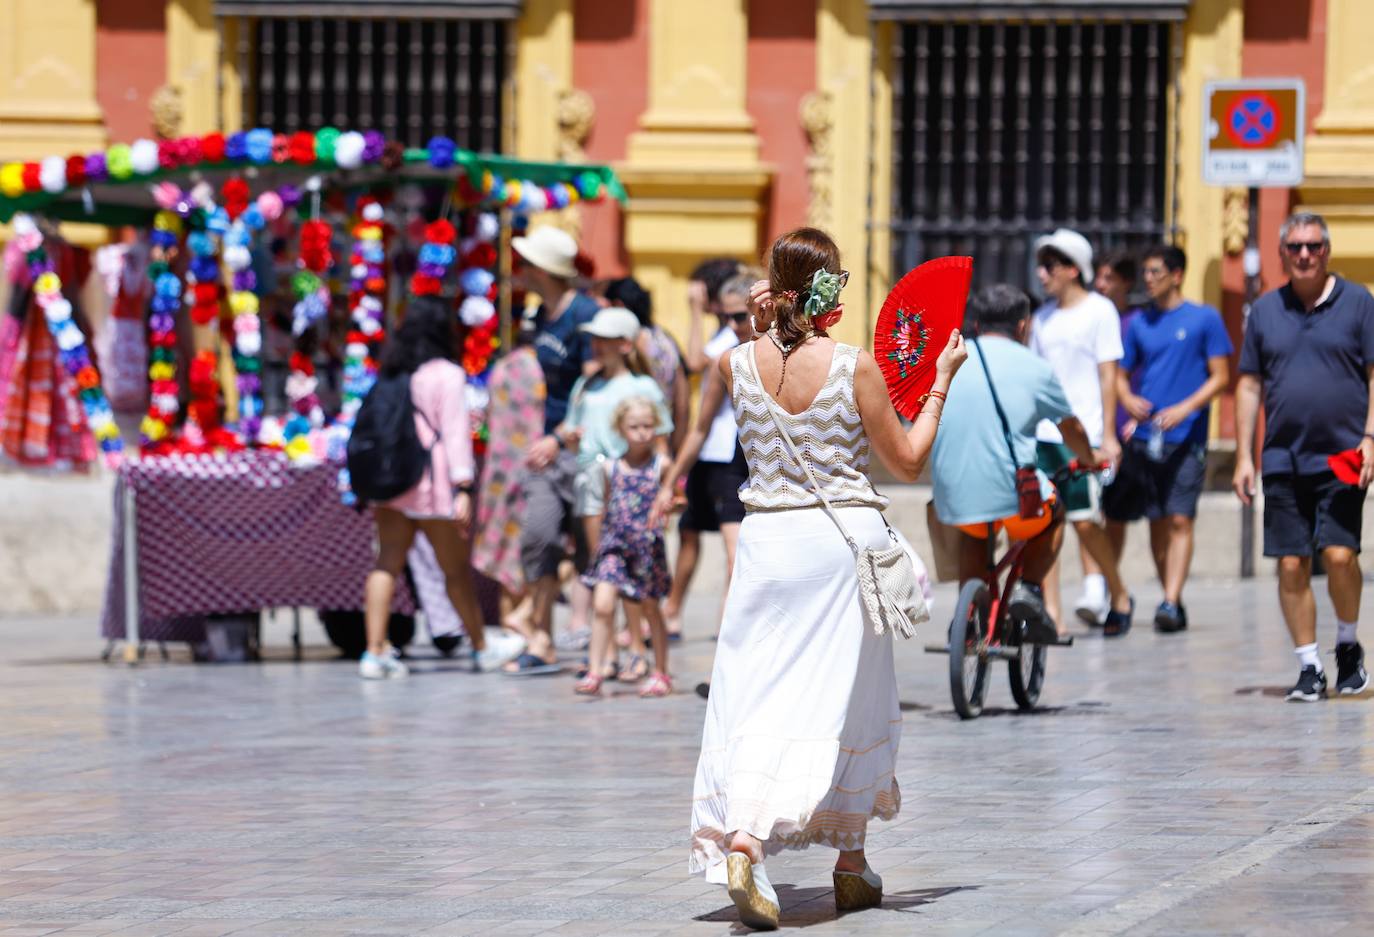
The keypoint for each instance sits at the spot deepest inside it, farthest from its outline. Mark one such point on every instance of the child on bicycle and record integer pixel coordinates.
(987, 440)
(631, 561)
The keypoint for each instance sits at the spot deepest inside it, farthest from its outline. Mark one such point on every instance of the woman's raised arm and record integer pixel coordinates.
(904, 451)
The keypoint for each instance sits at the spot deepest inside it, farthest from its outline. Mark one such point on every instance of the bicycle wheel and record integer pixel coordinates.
(1027, 675)
(968, 668)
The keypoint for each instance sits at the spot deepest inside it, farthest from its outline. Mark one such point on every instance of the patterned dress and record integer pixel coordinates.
(632, 556)
(515, 418)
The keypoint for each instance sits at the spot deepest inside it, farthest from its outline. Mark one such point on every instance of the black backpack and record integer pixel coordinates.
(385, 455)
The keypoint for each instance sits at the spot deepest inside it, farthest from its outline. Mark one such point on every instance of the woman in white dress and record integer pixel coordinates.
(803, 723)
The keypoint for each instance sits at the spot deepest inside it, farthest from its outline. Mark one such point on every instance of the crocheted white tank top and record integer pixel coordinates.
(829, 434)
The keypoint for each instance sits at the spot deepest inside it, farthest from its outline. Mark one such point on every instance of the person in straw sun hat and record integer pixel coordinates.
(547, 268)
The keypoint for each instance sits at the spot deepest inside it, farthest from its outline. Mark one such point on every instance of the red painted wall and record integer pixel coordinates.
(782, 71)
(131, 64)
(611, 63)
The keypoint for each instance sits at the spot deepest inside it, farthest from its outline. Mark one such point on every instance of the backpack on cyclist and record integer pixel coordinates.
(385, 455)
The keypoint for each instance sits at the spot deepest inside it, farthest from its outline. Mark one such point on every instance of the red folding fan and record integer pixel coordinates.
(914, 325)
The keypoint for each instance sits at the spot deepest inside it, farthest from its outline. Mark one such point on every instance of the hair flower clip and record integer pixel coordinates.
(824, 293)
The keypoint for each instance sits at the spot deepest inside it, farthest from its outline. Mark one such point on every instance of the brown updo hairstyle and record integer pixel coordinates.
(793, 260)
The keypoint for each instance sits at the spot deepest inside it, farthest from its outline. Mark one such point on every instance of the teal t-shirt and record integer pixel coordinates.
(971, 467)
(592, 405)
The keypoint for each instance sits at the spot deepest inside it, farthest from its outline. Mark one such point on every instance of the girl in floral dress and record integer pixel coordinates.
(631, 560)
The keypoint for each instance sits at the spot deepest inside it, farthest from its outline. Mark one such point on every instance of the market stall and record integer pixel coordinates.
(257, 277)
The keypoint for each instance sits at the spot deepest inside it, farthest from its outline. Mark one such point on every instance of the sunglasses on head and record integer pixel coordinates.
(1295, 248)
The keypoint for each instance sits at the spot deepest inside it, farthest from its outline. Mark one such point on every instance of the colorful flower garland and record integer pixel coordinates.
(436, 256)
(260, 146)
(71, 344)
(244, 222)
(312, 304)
(163, 306)
(494, 190)
(478, 313)
(367, 300)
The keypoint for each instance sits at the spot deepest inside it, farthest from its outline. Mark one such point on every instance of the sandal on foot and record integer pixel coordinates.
(530, 665)
(590, 685)
(635, 671)
(752, 893)
(855, 891)
(657, 686)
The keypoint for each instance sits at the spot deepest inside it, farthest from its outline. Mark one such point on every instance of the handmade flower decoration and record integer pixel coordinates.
(72, 351)
(823, 295)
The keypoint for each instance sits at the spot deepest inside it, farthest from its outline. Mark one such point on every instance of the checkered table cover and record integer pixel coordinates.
(236, 533)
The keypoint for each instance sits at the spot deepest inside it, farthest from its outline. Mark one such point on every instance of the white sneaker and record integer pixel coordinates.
(385, 667)
(1093, 604)
(501, 646)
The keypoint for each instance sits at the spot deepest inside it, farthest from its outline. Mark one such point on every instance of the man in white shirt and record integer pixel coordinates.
(1079, 333)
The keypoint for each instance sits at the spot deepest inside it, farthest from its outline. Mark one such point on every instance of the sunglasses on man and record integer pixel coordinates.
(1295, 248)
(738, 318)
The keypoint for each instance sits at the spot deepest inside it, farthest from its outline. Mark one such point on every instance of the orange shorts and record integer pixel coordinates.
(1017, 527)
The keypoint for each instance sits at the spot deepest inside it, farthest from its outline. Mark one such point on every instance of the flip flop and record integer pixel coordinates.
(530, 665)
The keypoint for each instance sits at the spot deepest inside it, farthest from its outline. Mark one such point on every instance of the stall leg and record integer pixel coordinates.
(296, 632)
(132, 638)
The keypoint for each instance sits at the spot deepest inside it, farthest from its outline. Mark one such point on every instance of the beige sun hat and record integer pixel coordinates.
(550, 249)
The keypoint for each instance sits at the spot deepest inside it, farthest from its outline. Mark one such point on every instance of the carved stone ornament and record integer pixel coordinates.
(576, 114)
(1235, 220)
(817, 119)
(167, 111)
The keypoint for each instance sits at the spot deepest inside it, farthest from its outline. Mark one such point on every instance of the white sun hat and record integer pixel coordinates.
(550, 249)
(1073, 246)
(613, 322)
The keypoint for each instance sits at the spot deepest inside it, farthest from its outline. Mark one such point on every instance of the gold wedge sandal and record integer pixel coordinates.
(855, 891)
(752, 893)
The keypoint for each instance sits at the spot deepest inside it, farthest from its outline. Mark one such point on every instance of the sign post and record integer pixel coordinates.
(1252, 135)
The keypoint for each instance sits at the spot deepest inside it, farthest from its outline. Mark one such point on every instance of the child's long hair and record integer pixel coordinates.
(792, 262)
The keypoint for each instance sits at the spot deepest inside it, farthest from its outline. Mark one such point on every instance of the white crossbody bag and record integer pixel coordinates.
(892, 597)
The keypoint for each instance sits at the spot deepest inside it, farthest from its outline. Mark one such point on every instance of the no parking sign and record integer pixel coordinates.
(1253, 132)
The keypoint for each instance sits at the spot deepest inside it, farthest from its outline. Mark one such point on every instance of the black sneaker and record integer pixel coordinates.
(1027, 605)
(447, 644)
(1311, 686)
(1170, 618)
(1351, 677)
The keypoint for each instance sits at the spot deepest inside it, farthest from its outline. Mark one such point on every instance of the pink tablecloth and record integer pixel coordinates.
(236, 534)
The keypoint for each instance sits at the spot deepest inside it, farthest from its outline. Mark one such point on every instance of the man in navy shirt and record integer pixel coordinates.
(1309, 350)
(564, 353)
(1175, 361)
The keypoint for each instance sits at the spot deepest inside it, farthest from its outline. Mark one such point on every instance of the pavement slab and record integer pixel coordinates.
(1163, 787)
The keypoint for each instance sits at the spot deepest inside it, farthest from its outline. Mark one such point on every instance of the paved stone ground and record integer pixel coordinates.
(1165, 788)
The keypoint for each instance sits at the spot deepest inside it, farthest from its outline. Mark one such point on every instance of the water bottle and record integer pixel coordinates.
(1154, 446)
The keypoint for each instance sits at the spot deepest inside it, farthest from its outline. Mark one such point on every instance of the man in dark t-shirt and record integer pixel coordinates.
(548, 256)
(1309, 351)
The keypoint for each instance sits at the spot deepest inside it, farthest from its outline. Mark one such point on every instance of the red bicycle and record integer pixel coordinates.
(984, 629)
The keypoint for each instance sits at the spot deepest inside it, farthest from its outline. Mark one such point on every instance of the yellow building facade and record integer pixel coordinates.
(693, 165)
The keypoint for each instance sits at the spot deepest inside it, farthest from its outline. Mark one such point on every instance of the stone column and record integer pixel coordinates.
(47, 79)
(1340, 151)
(692, 171)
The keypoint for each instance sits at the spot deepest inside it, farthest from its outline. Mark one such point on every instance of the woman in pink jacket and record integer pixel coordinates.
(440, 505)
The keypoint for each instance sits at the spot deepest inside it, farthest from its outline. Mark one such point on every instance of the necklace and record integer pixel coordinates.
(786, 352)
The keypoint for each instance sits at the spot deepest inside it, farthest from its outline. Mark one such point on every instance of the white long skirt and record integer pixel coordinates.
(803, 722)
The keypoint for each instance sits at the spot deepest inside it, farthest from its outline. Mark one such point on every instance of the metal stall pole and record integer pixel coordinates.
(504, 263)
(132, 639)
(1252, 291)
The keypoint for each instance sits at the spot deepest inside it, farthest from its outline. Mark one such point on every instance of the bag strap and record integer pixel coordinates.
(792, 448)
(1001, 414)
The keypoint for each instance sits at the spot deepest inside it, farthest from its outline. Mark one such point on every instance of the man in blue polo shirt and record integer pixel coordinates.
(1309, 350)
(1175, 361)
